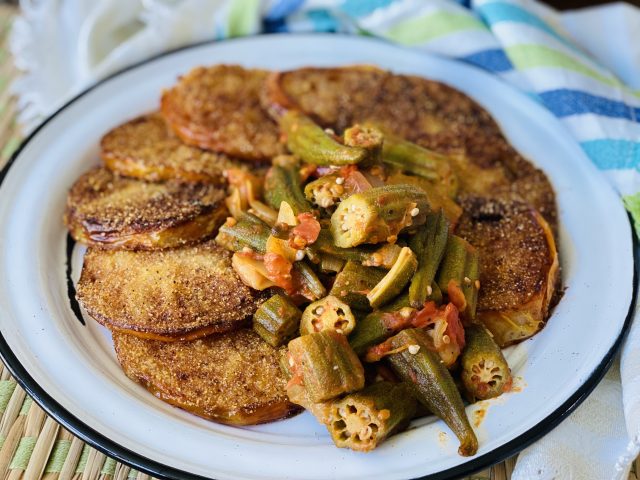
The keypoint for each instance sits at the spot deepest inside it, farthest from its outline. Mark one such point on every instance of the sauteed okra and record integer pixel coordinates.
(402, 287)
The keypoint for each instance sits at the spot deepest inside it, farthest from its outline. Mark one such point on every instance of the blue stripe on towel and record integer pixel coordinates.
(613, 154)
(494, 60)
(282, 8)
(565, 102)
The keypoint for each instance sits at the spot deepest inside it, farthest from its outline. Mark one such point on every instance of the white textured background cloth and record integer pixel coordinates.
(65, 45)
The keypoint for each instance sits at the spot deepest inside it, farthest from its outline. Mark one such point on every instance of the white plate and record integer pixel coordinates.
(72, 371)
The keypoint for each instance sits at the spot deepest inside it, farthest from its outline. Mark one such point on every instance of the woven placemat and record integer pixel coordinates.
(33, 445)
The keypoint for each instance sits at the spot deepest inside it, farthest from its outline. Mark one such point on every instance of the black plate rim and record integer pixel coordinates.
(161, 471)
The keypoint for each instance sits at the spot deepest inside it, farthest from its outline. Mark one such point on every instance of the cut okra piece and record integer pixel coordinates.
(458, 276)
(436, 294)
(413, 158)
(369, 255)
(376, 327)
(282, 183)
(277, 320)
(485, 372)
(378, 214)
(327, 190)
(354, 282)
(361, 421)
(331, 264)
(368, 137)
(415, 363)
(395, 280)
(313, 145)
(328, 313)
(325, 365)
(312, 287)
(247, 231)
(429, 244)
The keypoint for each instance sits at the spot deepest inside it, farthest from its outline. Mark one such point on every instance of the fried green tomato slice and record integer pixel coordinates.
(145, 148)
(168, 295)
(519, 269)
(233, 378)
(111, 211)
(218, 108)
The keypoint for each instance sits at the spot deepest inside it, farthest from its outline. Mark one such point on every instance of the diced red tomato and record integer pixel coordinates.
(308, 228)
(279, 270)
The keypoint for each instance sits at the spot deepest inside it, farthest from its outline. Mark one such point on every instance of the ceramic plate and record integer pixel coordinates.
(71, 369)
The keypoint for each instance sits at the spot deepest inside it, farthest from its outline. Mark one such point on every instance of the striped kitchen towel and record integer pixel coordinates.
(525, 43)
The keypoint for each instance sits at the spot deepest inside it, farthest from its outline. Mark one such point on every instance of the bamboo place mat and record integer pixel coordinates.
(33, 445)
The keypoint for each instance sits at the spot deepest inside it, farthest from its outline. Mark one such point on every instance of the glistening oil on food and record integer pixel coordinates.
(347, 241)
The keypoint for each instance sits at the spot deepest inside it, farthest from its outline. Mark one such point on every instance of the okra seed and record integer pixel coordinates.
(319, 310)
(415, 212)
(467, 280)
(406, 312)
(477, 284)
(365, 433)
(429, 290)
(384, 414)
(446, 340)
(413, 349)
(299, 255)
(339, 180)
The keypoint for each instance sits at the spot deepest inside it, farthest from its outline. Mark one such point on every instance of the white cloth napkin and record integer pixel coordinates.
(65, 45)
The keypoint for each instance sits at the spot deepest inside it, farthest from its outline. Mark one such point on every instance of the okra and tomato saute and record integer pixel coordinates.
(372, 293)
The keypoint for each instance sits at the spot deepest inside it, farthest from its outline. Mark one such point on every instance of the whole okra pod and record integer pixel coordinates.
(282, 183)
(378, 214)
(420, 161)
(325, 365)
(429, 244)
(361, 421)
(379, 256)
(485, 372)
(459, 275)
(313, 145)
(277, 320)
(433, 385)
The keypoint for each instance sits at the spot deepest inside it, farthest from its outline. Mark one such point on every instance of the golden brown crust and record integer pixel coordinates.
(218, 108)
(145, 148)
(110, 211)
(518, 265)
(170, 293)
(429, 113)
(233, 378)
(334, 97)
